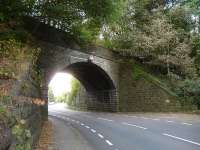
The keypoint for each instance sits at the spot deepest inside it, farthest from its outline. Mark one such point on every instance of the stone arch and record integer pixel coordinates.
(93, 77)
(100, 91)
(99, 76)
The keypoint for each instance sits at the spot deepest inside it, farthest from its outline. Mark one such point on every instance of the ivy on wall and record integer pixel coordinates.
(19, 131)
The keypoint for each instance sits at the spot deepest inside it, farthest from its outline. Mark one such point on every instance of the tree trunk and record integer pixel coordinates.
(198, 106)
(168, 69)
(199, 24)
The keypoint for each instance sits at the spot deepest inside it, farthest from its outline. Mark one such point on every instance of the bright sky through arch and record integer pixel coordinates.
(61, 83)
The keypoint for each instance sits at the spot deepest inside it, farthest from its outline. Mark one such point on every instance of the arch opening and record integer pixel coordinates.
(99, 90)
(91, 76)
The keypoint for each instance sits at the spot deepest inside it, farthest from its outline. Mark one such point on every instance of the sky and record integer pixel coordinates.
(61, 83)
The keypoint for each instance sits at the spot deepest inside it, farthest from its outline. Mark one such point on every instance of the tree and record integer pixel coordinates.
(79, 18)
(62, 98)
(75, 86)
(196, 52)
(189, 89)
(147, 27)
(163, 32)
(51, 96)
(167, 46)
(14, 9)
(195, 6)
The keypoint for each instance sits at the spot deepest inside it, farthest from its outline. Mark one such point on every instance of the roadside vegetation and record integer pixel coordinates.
(163, 36)
(66, 97)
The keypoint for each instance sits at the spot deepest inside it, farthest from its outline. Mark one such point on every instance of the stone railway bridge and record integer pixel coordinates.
(107, 78)
(95, 67)
(98, 74)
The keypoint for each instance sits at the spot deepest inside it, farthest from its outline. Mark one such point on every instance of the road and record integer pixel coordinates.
(110, 131)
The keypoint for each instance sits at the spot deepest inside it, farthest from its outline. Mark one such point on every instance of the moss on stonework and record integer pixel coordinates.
(137, 72)
(12, 54)
(143, 92)
(18, 69)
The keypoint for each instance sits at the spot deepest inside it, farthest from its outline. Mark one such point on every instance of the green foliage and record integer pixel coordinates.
(13, 9)
(165, 34)
(66, 97)
(3, 113)
(19, 35)
(194, 4)
(22, 136)
(107, 43)
(74, 91)
(51, 97)
(189, 90)
(70, 16)
(137, 72)
(6, 116)
(63, 98)
(181, 18)
(5, 99)
(161, 35)
(196, 52)
(15, 56)
(86, 33)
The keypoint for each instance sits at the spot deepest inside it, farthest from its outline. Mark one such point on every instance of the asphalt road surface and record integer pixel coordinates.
(149, 131)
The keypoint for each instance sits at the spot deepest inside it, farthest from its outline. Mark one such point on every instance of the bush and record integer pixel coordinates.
(189, 90)
(22, 136)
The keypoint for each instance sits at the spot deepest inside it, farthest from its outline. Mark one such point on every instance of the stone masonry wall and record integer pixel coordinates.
(141, 95)
(27, 109)
(20, 96)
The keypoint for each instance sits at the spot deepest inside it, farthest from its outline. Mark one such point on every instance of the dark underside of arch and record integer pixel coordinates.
(91, 76)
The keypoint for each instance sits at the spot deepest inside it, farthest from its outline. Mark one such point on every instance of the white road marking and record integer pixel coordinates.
(184, 123)
(133, 125)
(104, 119)
(170, 121)
(167, 117)
(156, 119)
(109, 143)
(175, 137)
(132, 116)
(87, 127)
(145, 118)
(101, 136)
(94, 131)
